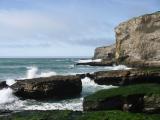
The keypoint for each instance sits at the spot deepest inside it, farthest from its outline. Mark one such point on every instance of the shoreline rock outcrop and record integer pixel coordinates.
(135, 98)
(105, 52)
(125, 77)
(55, 87)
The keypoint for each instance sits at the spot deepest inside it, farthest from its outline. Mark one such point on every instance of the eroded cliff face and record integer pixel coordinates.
(138, 40)
(106, 52)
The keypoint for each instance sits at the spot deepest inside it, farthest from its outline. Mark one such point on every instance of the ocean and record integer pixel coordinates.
(21, 68)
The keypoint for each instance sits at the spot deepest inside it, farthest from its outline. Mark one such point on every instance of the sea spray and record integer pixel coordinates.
(6, 96)
(32, 72)
(89, 86)
(13, 103)
(10, 82)
(47, 74)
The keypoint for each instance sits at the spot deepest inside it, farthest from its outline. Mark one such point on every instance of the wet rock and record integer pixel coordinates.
(3, 85)
(48, 87)
(125, 77)
(81, 75)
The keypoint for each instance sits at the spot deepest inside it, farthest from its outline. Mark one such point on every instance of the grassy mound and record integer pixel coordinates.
(125, 91)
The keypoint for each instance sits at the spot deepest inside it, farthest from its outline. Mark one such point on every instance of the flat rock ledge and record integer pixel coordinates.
(125, 77)
(49, 87)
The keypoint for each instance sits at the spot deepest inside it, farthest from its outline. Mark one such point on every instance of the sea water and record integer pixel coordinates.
(22, 68)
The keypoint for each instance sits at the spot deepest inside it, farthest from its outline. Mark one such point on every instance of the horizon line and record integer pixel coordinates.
(1, 57)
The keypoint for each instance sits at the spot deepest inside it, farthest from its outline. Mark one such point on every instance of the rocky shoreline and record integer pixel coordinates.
(138, 92)
(56, 87)
(125, 77)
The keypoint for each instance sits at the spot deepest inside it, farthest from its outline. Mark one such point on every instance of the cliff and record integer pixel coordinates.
(106, 52)
(137, 42)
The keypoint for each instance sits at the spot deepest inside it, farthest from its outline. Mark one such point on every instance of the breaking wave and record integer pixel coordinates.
(32, 72)
(9, 101)
(6, 96)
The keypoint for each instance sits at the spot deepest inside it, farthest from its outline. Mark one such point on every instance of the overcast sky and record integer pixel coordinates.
(63, 27)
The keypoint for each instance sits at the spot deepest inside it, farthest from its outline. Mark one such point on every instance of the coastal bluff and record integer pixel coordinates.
(137, 42)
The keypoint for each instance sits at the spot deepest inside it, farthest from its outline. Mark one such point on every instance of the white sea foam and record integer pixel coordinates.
(9, 101)
(32, 72)
(74, 104)
(47, 74)
(71, 66)
(10, 82)
(89, 86)
(89, 60)
(118, 67)
(6, 96)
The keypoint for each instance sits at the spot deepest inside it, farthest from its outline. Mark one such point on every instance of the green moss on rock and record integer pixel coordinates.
(130, 98)
(125, 91)
(70, 115)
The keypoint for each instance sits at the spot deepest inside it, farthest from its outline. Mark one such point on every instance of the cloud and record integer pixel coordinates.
(29, 20)
(33, 26)
(40, 25)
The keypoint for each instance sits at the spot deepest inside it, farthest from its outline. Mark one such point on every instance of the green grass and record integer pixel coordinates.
(69, 115)
(125, 91)
(151, 69)
(116, 115)
(38, 115)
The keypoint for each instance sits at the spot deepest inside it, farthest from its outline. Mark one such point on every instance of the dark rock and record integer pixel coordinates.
(81, 75)
(132, 103)
(90, 75)
(113, 103)
(5, 112)
(49, 87)
(3, 85)
(126, 77)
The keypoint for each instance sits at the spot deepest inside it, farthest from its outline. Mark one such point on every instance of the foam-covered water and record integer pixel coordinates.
(6, 96)
(89, 60)
(32, 68)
